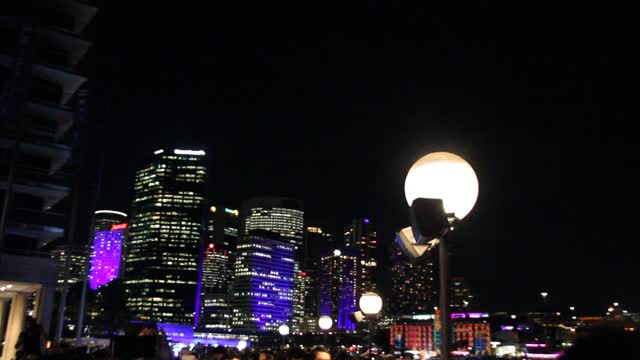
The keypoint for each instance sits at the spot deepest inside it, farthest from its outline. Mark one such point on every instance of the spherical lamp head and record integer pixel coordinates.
(283, 329)
(446, 176)
(325, 322)
(370, 303)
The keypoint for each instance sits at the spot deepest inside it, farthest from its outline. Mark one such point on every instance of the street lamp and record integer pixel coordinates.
(325, 323)
(370, 305)
(284, 331)
(441, 188)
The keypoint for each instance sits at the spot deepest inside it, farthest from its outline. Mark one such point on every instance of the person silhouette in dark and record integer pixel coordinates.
(29, 342)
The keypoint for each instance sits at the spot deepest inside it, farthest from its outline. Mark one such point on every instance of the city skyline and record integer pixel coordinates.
(340, 115)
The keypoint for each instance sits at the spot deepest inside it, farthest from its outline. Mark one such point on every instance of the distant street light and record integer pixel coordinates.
(370, 305)
(325, 323)
(572, 308)
(441, 189)
(284, 331)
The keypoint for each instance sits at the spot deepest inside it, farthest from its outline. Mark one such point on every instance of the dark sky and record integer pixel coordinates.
(332, 104)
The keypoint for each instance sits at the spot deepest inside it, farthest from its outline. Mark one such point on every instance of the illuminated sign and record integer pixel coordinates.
(119, 226)
(189, 152)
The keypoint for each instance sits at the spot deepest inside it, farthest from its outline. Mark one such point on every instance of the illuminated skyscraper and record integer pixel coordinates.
(162, 248)
(285, 218)
(316, 242)
(264, 282)
(77, 264)
(361, 235)
(106, 253)
(337, 286)
(461, 297)
(412, 284)
(217, 269)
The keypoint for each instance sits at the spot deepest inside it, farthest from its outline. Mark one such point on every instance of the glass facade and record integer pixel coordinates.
(264, 281)
(338, 275)
(162, 249)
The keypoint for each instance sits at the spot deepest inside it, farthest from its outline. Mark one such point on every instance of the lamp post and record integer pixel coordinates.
(325, 323)
(284, 331)
(441, 189)
(370, 305)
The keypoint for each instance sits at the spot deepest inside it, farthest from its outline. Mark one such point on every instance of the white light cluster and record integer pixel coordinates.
(188, 152)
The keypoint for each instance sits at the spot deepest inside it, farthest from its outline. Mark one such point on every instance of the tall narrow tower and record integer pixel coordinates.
(164, 236)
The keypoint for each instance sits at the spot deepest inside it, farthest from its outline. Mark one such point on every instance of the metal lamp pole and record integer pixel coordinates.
(445, 318)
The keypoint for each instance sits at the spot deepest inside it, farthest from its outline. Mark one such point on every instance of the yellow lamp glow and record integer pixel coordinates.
(446, 176)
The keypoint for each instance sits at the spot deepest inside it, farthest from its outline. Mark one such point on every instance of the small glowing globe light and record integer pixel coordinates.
(337, 252)
(284, 329)
(241, 345)
(446, 176)
(325, 322)
(370, 303)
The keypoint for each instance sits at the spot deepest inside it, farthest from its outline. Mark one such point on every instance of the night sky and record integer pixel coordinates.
(332, 104)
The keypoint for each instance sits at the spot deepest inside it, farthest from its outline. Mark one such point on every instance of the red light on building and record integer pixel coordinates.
(210, 246)
(119, 226)
(303, 273)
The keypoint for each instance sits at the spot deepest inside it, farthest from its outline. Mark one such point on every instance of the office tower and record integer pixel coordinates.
(217, 269)
(264, 282)
(284, 217)
(77, 265)
(461, 298)
(338, 287)
(361, 235)
(316, 242)
(412, 284)
(163, 244)
(106, 252)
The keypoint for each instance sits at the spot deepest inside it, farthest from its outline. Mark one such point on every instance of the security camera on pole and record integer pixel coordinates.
(441, 189)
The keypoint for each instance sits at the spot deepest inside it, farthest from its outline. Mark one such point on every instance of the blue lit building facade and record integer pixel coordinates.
(283, 218)
(162, 248)
(338, 287)
(264, 283)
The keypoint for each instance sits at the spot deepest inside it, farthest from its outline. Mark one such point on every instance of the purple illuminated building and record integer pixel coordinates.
(106, 255)
(337, 285)
(105, 258)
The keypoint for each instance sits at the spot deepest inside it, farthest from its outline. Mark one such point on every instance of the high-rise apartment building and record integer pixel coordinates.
(285, 218)
(361, 235)
(264, 282)
(338, 286)
(412, 284)
(162, 249)
(106, 252)
(217, 269)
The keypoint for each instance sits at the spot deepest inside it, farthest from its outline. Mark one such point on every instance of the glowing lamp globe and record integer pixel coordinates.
(283, 329)
(370, 303)
(325, 322)
(446, 176)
